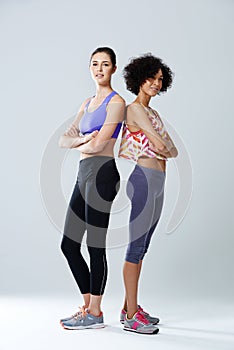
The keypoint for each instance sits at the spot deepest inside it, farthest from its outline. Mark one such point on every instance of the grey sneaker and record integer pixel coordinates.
(139, 324)
(83, 320)
(151, 319)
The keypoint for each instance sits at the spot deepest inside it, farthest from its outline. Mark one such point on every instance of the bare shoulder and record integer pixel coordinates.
(135, 108)
(82, 107)
(118, 98)
(80, 112)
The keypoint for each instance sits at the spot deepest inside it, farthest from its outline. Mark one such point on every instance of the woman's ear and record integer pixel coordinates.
(114, 69)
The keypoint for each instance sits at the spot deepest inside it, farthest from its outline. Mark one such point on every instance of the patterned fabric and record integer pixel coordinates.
(135, 144)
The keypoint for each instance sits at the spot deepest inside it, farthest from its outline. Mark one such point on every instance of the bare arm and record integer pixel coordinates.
(172, 153)
(168, 154)
(115, 115)
(71, 137)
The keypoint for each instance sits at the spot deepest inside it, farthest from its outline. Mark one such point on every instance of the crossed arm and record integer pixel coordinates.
(71, 137)
(97, 140)
(137, 117)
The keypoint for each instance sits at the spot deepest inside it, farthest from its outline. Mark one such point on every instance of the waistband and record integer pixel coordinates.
(96, 160)
(149, 171)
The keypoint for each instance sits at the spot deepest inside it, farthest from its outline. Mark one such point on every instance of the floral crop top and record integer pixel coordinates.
(135, 144)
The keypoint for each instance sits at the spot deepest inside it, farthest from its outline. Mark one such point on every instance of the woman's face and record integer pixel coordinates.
(152, 86)
(101, 68)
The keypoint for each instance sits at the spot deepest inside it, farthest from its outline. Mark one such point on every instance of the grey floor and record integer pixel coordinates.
(32, 323)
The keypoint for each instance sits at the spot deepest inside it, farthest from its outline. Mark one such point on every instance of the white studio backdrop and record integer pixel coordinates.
(45, 50)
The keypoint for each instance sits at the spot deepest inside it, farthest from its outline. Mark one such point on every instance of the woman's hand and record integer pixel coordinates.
(71, 131)
(153, 148)
(90, 136)
(167, 154)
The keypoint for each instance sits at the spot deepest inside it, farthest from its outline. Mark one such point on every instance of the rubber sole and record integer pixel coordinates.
(135, 331)
(94, 326)
(122, 322)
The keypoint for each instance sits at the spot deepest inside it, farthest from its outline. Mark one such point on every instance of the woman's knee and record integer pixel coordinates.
(96, 253)
(134, 254)
(68, 246)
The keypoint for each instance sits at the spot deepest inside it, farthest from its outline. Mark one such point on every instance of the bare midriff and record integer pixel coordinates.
(152, 163)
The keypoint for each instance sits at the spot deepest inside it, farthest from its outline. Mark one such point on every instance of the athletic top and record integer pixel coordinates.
(135, 144)
(91, 121)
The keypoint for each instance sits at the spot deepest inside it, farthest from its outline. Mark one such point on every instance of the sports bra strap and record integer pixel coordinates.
(109, 97)
(106, 100)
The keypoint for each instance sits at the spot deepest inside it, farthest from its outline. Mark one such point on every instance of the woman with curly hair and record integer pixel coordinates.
(146, 142)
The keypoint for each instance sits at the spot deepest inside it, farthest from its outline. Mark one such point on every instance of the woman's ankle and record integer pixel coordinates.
(95, 312)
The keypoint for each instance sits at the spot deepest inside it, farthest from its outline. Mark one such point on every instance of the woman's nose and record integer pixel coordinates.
(156, 82)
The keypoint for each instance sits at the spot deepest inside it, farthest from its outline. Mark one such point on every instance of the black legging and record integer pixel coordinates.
(89, 210)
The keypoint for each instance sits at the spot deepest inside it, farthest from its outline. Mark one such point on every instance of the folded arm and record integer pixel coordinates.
(115, 115)
(137, 116)
(71, 138)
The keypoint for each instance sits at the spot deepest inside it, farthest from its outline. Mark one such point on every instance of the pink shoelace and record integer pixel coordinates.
(141, 318)
(141, 310)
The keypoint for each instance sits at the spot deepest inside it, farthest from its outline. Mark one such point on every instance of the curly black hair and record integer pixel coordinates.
(144, 67)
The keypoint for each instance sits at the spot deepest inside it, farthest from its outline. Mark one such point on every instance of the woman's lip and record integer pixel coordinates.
(99, 75)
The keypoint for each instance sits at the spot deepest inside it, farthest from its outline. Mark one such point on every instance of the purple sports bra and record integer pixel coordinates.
(91, 121)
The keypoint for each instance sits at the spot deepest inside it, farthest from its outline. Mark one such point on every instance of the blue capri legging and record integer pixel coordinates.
(145, 189)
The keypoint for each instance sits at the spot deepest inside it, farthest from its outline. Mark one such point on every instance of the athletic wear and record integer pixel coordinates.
(84, 320)
(153, 320)
(92, 121)
(135, 144)
(145, 189)
(139, 324)
(89, 210)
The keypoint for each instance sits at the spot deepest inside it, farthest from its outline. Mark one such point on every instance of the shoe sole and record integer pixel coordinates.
(94, 326)
(140, 332)
(150, 322)
(154, 323)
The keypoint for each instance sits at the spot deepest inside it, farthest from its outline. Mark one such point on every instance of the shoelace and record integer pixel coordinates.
(141, 318)
(81, 313)
(140, 309)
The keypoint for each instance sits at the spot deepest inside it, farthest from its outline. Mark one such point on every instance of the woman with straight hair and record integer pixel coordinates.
(93, 132)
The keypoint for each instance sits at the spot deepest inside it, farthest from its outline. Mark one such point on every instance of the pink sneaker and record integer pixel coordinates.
(139, 324)
(151, 319)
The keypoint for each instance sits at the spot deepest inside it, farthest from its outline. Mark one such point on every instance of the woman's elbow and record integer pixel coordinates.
(63, 142)
(60, 143)
(174, 152)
